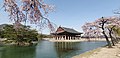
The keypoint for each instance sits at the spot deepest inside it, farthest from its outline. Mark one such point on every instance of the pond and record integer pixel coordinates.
(46, 49)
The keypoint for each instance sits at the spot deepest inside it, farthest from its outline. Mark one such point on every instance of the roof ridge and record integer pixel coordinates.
(67, 27)
(71, 30)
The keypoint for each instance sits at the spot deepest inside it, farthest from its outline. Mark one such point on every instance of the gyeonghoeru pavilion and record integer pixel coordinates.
(63, 33)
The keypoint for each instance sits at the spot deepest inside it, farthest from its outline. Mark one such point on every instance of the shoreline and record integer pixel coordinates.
(87, 53)
(101, 52)
(77, 40)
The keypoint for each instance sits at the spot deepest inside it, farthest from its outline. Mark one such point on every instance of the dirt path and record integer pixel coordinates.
(102, 52)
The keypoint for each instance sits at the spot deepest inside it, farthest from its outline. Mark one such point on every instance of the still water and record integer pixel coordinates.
(46, 49)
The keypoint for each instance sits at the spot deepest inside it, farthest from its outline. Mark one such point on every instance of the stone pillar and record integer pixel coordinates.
(65, 37)
(57, 37)
(79, 38)
(54, 38)
(68, 38)
(74, 38)
(61, 37)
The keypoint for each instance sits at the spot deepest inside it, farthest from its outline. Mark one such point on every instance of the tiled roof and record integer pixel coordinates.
(70, 30)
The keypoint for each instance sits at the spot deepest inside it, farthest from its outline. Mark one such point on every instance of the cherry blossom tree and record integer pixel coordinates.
(32, 11)
(115, 23)
(90, 30)
(29, 11)
(103, 26)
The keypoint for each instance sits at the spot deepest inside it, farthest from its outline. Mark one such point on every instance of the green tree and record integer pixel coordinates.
(21, 36)
(117, 31)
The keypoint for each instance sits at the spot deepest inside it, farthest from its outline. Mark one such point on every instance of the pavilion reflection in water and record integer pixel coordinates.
(65, 48)
(65, 45)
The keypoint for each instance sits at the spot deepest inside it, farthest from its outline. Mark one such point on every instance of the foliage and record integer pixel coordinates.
(24, 34)
(95, 28)
(32, 11)
(102, 26)
(40, 36)
(117, 30)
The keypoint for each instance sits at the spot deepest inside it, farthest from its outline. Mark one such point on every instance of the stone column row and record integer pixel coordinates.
(66, 38)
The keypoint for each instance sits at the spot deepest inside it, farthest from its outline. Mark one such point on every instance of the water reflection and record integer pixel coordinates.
(64, 45)
(69, 49)
(17, 52)
(46, 49)
(65, 48)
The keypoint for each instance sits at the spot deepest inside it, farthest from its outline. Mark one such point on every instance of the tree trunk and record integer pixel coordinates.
(109, 44)
(102, 27)
(116, 40)
(110, 34)
(112, 40)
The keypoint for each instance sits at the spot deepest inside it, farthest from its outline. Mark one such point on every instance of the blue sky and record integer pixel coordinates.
(74, 13)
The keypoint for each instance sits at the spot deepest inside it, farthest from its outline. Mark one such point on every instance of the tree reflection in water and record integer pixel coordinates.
(46, 49)
(18, 52)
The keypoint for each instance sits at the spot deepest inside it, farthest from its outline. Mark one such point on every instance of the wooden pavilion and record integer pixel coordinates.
(64, 33)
